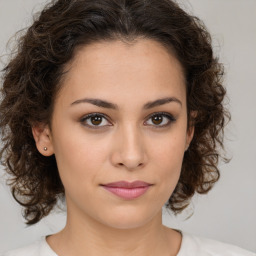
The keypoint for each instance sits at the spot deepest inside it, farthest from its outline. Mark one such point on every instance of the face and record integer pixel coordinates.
(120, 116)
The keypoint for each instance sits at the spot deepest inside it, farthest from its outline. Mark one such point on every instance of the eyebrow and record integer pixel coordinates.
(106, 104)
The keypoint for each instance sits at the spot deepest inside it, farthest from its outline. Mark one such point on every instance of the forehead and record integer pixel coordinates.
(129, 54)
(142, 67)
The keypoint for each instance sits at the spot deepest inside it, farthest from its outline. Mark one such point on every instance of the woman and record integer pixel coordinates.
(116, 106)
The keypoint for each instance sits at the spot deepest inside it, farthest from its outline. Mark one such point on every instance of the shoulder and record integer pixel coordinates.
(38, 248)
(193, 245)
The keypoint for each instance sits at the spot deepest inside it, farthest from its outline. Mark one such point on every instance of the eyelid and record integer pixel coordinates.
(165, 114)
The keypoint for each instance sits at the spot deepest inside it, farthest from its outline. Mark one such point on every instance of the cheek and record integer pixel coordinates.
(78, 159)
(169, 150)
(168, 157)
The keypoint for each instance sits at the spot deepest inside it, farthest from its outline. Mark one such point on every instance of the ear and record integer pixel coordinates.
(190, 134)
(190, 130)
(43, 139)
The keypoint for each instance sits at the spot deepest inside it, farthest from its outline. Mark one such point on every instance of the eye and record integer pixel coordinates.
(161, 119)
(98, 120)
(95, 121)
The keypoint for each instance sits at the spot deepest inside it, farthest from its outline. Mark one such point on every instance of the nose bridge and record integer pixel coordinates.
(130, 150)
(131, 136)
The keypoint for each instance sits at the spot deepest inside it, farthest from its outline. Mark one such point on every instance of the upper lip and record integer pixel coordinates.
(126, 184)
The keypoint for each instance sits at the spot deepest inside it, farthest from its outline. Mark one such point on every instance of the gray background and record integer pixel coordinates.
(228, 212)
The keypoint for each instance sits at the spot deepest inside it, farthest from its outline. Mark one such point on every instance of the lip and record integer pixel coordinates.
(127, 190)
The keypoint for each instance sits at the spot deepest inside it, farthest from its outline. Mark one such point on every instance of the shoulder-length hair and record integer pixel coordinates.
(32, 79)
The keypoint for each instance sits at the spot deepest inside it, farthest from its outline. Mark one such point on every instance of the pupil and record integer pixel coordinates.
(157, 119)
(96, 120)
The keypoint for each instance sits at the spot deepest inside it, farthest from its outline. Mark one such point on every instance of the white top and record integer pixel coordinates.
(190, 246)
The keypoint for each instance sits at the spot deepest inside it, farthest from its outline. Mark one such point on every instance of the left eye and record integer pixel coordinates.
(161, 119)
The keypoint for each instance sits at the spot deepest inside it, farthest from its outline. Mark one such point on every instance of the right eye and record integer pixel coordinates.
(95, 121)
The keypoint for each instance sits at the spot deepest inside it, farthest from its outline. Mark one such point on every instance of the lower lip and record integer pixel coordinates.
(127, 193)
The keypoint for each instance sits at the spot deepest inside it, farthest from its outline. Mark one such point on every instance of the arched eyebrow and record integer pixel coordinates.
(106, 104)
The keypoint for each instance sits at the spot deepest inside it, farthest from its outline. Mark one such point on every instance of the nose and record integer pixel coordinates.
(128, 149)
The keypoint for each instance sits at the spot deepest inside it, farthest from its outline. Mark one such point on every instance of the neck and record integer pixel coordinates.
(90, 237)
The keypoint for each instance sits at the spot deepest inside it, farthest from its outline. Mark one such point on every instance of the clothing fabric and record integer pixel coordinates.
(191, 246)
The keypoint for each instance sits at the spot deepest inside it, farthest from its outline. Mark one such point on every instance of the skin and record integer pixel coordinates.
(128, 145)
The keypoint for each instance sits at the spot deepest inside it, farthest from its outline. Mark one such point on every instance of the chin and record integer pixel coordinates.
(128, 219)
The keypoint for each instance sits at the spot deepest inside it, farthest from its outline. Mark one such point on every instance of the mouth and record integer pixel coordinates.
(127, 190)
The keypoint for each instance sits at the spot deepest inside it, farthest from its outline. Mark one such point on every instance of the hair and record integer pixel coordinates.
(32, 79)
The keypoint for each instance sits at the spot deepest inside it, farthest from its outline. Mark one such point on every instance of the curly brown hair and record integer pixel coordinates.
(32, 78)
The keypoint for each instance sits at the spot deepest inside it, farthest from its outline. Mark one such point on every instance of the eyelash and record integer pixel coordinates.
(170, 118)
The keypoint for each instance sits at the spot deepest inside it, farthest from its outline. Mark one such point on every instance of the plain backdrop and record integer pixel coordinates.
(228, 212)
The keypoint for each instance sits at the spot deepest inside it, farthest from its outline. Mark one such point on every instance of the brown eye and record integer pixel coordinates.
(161, 119)
(95, 121)
(157, 119)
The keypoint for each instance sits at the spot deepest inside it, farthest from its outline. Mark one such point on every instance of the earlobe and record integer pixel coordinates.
(43, 140)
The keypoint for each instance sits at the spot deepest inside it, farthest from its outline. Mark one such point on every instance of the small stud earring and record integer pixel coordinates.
(45, 148)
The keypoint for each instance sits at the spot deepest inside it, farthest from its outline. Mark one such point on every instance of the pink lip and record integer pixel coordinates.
(127, 190)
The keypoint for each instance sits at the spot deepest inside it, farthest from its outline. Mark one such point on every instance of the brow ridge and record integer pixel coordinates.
(109, 105)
